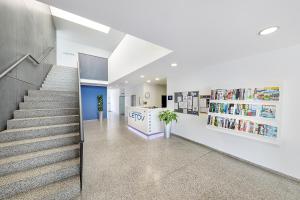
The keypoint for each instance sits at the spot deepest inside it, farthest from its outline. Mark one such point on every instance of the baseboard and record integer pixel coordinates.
(90, 120)
(242, 160)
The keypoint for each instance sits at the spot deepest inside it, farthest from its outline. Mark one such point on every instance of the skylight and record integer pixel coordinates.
(79, 20)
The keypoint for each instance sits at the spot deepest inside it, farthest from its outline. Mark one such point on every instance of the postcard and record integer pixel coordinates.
(189, 102)
(176, 106)
(195, 104)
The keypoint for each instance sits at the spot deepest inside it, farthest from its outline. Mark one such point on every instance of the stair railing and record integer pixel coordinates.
(81, 126)
(27, 56)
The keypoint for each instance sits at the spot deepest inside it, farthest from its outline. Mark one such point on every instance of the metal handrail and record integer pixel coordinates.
(81, 125)
(20, 60)
(80, 106)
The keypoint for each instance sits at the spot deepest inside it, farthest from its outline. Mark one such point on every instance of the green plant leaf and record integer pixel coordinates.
(100, 103)
(167, 116)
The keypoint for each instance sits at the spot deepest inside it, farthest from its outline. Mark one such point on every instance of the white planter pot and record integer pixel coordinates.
(168, 130)
(100, 116)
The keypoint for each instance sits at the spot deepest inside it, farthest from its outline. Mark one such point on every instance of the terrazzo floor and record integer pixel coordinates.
(121, 165)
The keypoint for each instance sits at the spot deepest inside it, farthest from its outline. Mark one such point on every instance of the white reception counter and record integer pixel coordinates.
(146, 120)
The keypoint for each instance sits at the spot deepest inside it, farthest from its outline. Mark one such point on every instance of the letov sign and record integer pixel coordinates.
(137, 116)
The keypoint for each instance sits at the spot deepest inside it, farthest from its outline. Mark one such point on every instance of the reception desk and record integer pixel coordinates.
(146, 121)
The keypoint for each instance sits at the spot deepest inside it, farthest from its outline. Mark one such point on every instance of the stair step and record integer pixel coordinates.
(60, 83)
(51, 98)
(61, 77)
(24, 181)
(63, 67)
(37, 144)
(45, 112)
(59, 89)
(47, 105)
(51, 93)
(66, 189)
(35, 132)
(68, 84)
(31, 160)
(63, 72)
(41, 121)
(72, 85)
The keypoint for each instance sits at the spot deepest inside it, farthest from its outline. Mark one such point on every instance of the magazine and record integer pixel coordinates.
(267, 93)
(248, 94)
(230, 109)
(271, 131)
(268, 111)
(245, 126)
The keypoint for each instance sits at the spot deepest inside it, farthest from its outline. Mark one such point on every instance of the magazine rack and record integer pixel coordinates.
(246, 112)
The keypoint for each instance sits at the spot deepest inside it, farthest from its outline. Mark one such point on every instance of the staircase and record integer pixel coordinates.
(39, 151)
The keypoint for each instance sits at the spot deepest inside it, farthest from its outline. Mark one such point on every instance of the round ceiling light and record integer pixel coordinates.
(268, 31)
(174, 65)
(157, 79)
(142, 76)
(148, 81)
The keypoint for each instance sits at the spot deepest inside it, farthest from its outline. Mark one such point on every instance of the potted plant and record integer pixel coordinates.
(100, 107)
(167, 117)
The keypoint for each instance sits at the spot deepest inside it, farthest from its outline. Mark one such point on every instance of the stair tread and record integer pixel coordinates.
(37, 154)
(30, 102)
(38, 171)
(38, 127)
(39, 139)
(45, 109)
(40, 91)
(50, 117)
(49, 190)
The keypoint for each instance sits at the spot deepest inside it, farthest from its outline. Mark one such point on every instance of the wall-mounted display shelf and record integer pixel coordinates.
(252, 113)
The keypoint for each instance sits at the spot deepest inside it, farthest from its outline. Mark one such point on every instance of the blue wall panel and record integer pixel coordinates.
(89, 101)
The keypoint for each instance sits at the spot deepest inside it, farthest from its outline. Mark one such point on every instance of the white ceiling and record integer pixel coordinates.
(83, 35)
(200, 32)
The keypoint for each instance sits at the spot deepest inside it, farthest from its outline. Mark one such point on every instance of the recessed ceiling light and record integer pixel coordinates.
(157, 79)
(79, 20)
(142, 76)
(268, 31)
(126, 82)
(148, 81)
(174, 65)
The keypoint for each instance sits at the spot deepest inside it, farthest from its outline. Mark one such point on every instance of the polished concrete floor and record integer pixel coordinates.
(120, 165)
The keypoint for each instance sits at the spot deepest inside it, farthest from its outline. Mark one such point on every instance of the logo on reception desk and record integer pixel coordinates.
(137, 116)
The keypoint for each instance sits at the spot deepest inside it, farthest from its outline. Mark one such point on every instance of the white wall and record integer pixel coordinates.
(156, 91)
(67, 51)
(131, 54)
(273, 68)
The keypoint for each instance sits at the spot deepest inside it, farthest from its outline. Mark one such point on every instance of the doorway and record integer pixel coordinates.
(133, 100)
(122, 105)
(163, 101)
